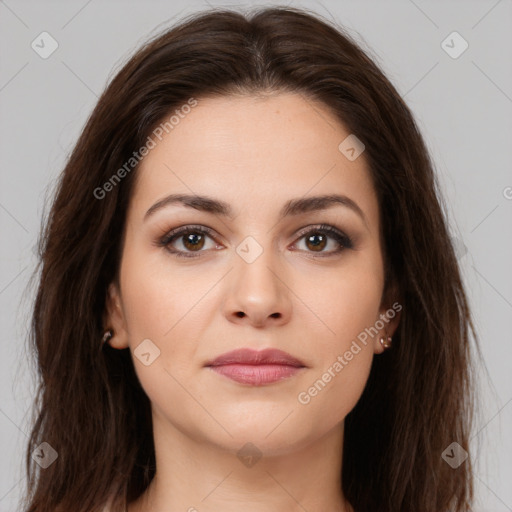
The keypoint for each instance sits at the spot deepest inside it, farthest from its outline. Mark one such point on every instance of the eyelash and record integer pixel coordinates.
(343, 240)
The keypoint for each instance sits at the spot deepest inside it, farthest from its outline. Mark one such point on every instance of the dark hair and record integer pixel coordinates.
(90, 405)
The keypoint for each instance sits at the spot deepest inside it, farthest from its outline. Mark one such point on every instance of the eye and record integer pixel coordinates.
(317, 238)
(187, 240)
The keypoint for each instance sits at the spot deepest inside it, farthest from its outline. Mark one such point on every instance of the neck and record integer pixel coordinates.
(196, 475)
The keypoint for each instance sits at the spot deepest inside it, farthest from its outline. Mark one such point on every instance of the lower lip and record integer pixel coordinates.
(256, 375)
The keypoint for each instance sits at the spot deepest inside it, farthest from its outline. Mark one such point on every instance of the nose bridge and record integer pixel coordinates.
(253, 266)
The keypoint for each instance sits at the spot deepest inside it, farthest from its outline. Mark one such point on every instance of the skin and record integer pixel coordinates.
(254, 153)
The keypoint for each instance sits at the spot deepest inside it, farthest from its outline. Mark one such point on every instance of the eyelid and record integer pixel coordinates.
(187, 228)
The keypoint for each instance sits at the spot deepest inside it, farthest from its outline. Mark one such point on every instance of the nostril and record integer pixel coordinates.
(240, 314)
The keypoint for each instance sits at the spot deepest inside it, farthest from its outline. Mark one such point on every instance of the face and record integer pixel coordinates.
(275, 270)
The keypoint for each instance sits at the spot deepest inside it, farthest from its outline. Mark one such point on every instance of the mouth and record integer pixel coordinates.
(256, 368)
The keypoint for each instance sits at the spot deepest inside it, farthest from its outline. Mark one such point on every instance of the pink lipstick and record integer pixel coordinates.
(256, 368)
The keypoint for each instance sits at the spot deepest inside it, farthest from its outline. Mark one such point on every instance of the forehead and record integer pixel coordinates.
(250, 151)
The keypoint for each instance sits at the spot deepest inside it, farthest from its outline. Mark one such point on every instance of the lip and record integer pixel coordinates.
(254, 367)
(249, 356)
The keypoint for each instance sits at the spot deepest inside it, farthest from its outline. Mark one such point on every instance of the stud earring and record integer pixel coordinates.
(109, 334)
(386, 342)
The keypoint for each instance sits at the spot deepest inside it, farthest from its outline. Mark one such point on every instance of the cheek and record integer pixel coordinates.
(342, 302)
(334, 393)
(347, 306)
(156, 298)
(173, 307)
(343, 358)
(159, 307)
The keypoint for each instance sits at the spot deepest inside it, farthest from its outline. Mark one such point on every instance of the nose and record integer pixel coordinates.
(257, 293)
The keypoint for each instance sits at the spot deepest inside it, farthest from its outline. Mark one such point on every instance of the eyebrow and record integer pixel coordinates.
(292, 207)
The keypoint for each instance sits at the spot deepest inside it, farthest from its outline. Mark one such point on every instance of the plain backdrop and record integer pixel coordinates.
(462, 102)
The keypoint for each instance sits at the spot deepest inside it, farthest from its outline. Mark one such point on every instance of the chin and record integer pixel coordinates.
(271, 441)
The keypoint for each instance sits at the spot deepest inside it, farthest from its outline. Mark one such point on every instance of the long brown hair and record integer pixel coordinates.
(90, 406)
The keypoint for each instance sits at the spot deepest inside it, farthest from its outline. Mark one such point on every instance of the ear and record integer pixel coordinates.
(389, 318)
(115, 318)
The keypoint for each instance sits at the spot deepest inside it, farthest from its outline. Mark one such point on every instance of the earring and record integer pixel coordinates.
(107, 336)
(386, 342)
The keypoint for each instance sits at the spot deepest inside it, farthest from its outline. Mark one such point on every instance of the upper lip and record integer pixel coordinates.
(255, 357)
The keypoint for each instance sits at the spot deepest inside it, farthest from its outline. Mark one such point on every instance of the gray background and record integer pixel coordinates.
(463, 107)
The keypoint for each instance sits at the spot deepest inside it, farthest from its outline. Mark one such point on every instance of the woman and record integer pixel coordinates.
(248, 296)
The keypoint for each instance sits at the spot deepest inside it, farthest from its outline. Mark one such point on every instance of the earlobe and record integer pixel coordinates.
(388, 323)
(114, 319)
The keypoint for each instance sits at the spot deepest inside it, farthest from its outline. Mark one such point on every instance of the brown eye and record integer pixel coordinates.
(316, 241)
(193, 241)
(322, 237)
(188, 241)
